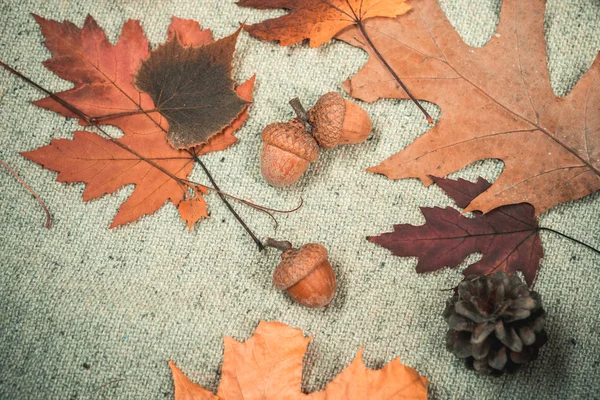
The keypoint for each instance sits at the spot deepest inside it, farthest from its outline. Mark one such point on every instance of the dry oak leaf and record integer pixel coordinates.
(103, 75)
(318, 20)
(269, 366)
(507, 237)
(496, 102)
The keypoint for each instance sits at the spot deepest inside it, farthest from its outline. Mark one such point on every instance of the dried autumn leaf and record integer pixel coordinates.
(496, 102)
(269, 366)
(107, 167)
(194, 209)
(103, 75)
(508, 237)
(101, 72)
(193, 88)
(190, 33)
(318, 20)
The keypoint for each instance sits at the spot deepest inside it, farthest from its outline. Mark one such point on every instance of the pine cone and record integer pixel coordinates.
(496, 323)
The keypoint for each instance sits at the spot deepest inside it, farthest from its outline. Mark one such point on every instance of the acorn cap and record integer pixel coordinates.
(296, 264)
(293, 138)
(327, 119)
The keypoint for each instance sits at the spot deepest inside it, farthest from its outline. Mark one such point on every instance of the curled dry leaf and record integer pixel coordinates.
(269, 366)
(318, 20)
(496, 102)
(103, 75)
(508, 237)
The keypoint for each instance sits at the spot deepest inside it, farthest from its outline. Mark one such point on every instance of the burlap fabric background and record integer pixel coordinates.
(127, 300)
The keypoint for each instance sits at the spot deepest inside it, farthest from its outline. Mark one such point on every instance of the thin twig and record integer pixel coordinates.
(281, 245)
(108, 384)
(261, 247)
(541, 228)
(300, 111)
(22, 181)
(391, 70)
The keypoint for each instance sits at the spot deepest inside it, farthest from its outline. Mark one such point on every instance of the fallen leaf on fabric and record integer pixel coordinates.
(104, 90)
(193, 88)
(269, 366)
(106, 167)
(496, 102)
(194, 209)
(507, 237)
(317, 20)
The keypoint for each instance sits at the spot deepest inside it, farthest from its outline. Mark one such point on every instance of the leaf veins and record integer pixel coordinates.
(508, 237)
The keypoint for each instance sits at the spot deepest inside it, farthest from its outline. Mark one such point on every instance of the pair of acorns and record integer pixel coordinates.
(289, 148)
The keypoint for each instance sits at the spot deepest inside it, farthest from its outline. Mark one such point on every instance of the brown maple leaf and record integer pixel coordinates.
(103, 75)
(318, 20)
(269, 366)
(507, 237)
(496, 102)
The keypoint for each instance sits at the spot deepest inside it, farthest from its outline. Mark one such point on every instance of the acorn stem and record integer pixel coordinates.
(300, 111)
(281, 245)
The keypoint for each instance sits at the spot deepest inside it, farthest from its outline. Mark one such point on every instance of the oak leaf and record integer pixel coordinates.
(104, 90)
(496, 102)
(318, 20)
(507, 237)
(269, 366)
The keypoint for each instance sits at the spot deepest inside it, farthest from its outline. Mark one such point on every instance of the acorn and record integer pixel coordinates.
(305, 273)
(336, 121)
(287, 151)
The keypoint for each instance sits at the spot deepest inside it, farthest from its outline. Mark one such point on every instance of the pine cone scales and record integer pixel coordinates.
(496, 323)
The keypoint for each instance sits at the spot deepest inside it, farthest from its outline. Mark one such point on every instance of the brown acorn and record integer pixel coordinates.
(336, 121)
(287, 151)
(305, 274)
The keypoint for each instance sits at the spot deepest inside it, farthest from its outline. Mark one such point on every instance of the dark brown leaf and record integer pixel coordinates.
(508, 237)
(193, 88)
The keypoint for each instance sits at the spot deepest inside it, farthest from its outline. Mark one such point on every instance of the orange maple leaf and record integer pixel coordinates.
(104, 76)
(318, 20)
(269, 366)
(321, 20)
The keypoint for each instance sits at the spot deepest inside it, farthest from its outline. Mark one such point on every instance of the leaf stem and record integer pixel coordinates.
(104, 117)
(391, 70)
(261, 247)
(542, 228)
(281, 245)
(22, 181)
(301, 113)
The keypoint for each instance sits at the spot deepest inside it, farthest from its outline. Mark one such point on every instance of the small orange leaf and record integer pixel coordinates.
(194, 209)
(268, 366)
(189, 32)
